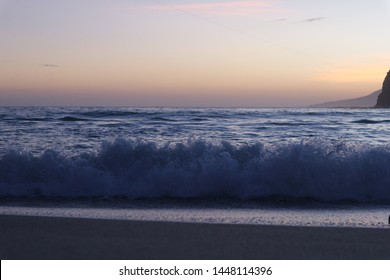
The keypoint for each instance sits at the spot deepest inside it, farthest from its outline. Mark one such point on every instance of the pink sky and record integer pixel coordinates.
(229, 8)
(190, 53)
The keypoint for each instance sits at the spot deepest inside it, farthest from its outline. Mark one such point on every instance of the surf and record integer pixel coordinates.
(329, 171)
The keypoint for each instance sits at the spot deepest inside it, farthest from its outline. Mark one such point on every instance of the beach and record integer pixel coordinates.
(31, 237)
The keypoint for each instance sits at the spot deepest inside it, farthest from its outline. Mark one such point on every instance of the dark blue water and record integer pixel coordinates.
(327, 155)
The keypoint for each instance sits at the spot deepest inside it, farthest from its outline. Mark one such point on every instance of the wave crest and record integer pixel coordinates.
(325, 171)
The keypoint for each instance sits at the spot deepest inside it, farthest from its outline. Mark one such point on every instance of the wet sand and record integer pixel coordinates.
(30, 237)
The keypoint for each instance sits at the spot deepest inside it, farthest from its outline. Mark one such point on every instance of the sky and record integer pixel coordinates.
(235, 53)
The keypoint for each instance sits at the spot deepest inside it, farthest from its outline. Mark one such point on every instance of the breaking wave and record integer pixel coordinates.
(324, 171)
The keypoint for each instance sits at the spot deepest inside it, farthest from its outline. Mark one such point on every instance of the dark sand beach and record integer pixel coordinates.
(27, 237)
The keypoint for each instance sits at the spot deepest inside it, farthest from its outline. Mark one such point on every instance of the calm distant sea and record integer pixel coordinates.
(328, 155)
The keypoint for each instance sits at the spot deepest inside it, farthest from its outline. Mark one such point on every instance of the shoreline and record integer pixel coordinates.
(33, 237)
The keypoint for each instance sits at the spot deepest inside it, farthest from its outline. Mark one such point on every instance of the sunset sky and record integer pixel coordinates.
(191, 53)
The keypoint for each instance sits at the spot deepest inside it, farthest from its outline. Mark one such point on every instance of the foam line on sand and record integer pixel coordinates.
(30, 237)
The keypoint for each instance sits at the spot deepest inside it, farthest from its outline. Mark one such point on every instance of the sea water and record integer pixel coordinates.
(254, 165)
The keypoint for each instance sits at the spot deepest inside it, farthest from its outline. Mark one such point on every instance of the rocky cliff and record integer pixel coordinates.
(384, 97)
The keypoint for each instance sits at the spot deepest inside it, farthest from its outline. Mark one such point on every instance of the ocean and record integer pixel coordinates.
(289, 166)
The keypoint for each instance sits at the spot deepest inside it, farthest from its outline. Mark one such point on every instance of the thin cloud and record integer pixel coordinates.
(314, 19)
(50, 65)
(308, 20)
(279, 20)
(228, 8)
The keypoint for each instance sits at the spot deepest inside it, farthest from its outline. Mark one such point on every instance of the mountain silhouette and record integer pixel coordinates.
(367, 101)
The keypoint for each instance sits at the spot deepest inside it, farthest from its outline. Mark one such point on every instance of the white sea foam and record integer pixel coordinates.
(341, 216)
